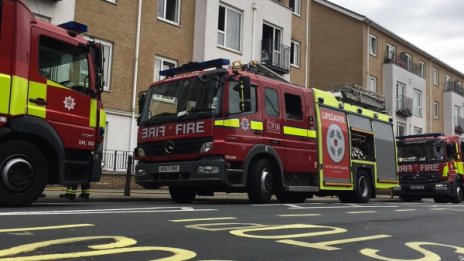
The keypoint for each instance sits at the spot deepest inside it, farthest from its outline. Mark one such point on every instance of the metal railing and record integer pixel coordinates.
(403, 62)
(454, 87)
(276, 56)
(404, 105)
(459, 125)
(115, 160)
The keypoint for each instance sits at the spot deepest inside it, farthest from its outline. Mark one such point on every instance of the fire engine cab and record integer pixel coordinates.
(51, 118)
(430, 166)
(206, 129)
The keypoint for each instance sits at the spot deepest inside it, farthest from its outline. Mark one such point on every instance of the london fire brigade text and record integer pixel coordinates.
(179, 129)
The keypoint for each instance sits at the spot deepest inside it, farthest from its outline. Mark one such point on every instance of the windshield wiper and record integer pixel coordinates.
(160, 118)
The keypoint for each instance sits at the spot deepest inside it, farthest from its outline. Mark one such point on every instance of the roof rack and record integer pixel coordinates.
(195, 66)
(257, 68)
(356, 95)
(420, 135)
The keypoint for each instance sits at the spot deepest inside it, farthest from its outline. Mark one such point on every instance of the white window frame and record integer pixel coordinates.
(408, 61)
(373, 45)
(435, 77)
(296, 7)
(422, 68)
(436, 110)
(417, 101)
(372, 85)
(112, 1)
(108, 61)
(447, 82)
(296, 47)
(224, 33)
(156, 76)
(417, 130)
(391, 51)
(398, 125)
(163, 17)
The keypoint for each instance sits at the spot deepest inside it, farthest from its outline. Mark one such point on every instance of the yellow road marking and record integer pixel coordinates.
(223, 226)
(298, 215)
(13, 230)
(201, 219)
(327, 244)
(362, 212)
(330, 230)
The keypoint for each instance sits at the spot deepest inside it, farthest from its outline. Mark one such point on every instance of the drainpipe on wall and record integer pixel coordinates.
(430, 95)
(368, 54)
(307, 65)
(253, 31)
(136, 70)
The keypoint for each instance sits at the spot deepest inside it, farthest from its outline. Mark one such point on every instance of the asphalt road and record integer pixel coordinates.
(233, 229)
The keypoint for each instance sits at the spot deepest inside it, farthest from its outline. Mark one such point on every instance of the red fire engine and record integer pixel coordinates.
(430, 166)
(206, 129)
(51, 118)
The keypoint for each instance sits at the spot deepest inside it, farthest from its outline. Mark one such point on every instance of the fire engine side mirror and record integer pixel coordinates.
(245, 93)
(99, 60)
(142, 98)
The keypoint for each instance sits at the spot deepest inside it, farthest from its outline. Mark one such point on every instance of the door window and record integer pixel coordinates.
(272, 102)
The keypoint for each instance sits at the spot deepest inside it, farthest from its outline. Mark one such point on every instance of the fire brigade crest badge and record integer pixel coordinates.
(245, 124)
(69, 103)
(335, 143)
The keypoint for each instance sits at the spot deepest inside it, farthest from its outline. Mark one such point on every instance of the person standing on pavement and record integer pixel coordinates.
(71, 192)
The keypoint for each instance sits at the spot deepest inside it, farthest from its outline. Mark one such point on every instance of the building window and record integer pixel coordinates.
(417, 130)
(295, 5)
(272, 102)
(417, 103)
(372, 45)
(435, 77)
(422, 69)
(372, 84)
(456, 115)
(108, 56)
(162, 64)
(407, 59)
(169, 10)
(391, 52)
(400, 129)
(295, 54)
(229, 28)
(447, 82)
(436, 110)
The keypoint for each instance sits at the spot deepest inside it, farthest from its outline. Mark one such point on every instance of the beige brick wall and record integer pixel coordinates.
(336, 53)
(299, 27)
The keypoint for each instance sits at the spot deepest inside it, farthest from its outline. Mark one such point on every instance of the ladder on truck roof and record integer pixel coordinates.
(257, 68)
(356, 95)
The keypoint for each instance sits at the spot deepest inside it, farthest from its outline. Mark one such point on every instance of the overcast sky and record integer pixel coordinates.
(435, 26)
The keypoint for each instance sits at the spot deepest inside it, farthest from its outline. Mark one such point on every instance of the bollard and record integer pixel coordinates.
(128, 176)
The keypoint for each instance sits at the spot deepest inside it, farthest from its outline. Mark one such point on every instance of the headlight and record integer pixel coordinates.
(207, 146)
(140, 152)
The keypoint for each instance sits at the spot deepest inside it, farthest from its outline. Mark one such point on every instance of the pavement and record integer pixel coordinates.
(52, 195)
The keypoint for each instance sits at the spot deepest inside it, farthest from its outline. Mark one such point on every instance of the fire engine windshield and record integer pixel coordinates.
(421, 151)
(185, 99)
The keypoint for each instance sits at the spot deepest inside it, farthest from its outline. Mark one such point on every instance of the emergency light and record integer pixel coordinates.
(195, 66)
(74, 27)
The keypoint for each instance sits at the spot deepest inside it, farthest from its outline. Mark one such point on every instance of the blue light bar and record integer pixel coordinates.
(74, 27)
(195, 66)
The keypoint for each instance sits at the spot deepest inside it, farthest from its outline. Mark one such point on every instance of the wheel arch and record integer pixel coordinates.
(263, 152)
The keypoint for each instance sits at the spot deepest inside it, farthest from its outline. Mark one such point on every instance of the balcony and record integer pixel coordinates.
(406, 63)
(275, 56)
(404, 106)
(459, 125)
(455, 87)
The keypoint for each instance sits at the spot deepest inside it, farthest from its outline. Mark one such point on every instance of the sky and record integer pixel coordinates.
(435, 26)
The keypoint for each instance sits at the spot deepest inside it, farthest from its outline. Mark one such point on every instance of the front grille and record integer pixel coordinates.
(186, 146)
(420, 177)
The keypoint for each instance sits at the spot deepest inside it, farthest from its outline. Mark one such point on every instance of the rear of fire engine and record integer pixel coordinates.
(51, 118)
(206, 129)
(430, 166)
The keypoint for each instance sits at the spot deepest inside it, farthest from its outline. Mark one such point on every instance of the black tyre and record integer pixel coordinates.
(23, 173)
(182, 194)
(363, 191)
(441, 199)
(260, 182)
(458, 192)
(346, 197)
(291, 197)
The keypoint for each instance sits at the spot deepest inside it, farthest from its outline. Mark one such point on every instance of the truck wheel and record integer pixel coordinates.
(260, 182)
(363, 191)
(458, 192)
(346, 196)
(23, 173)
(291, 197)
(182, 194)
(441, 199)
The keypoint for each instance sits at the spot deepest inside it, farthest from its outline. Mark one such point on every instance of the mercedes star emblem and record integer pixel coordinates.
(169, 147)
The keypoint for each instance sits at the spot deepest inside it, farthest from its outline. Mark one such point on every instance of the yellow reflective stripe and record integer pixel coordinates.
(299, 132)
(18, 96)
(445, 170)
(228, 123)
(5, 82)
(93, 113)
(102, 118)
(37, 90)
(256, 125)
(54, 84)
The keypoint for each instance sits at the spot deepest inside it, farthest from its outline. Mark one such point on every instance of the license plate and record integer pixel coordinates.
(169, 169)
(417, 187)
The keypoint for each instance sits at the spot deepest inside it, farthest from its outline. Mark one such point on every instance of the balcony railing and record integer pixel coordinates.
(403, 62)
(275, 56)
(454, 87)
(459, 125)
(404, 106)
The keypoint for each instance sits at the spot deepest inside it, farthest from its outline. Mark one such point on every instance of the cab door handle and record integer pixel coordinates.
(38, 101)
